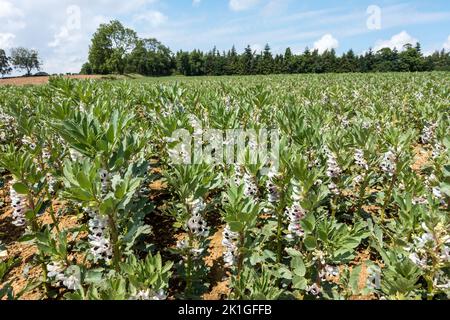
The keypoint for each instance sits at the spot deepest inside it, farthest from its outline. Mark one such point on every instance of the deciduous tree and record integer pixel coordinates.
(25, 59)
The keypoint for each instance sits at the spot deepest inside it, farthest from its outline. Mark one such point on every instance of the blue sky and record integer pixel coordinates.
(61, 29)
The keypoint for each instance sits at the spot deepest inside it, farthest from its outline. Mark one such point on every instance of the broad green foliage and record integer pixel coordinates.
(357, 207)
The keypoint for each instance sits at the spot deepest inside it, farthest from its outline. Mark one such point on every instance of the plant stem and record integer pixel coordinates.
(189, 267)
(333, 206)
(52, 215)
(240, 260)
(388, 197)
(35, 228)
(279, 235)
(44, 276)
(362, 192)
(430, 289)
(189, 255)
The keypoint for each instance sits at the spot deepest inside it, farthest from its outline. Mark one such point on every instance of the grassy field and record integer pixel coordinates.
(129, 189)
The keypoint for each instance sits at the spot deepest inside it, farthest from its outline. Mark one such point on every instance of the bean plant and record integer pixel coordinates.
(355, 205)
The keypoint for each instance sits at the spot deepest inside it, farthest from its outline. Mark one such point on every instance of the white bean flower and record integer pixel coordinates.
(360, 160)
(389, 163)
(428, 133)
(229, 241)
(333, 169)
(19, 204)
(196, 223)
(99, 238)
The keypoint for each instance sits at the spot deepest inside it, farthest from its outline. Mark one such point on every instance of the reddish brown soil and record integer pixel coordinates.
(421, 159)
(218, 275)
(20, 81)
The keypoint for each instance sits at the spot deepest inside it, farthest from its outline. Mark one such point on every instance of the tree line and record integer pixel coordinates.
(116, 49)
(20, 59)
(310, 61)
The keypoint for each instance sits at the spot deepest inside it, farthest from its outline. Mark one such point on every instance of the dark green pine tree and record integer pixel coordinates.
(267, 61)
(247, 61)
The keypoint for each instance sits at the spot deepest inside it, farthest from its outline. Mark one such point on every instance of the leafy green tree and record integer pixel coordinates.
(386, 60)
(411, 59)
(183, 63)
(5, 67)
(348, 62)
(196, 63)
(110, 47)
(137, 61)
(86, 68)
(25, 59)
(151, 58)
(439, 60)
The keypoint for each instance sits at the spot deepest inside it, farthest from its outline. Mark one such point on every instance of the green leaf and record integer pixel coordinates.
(177, 225)
(236, 226)
(94, 276)
(284, 273)
(30, 214)
(299, 282)
(298, 266)
(308, 223)
(310, 243)
(292, 252)
(20, 188)
(83, 180)
(27, 237)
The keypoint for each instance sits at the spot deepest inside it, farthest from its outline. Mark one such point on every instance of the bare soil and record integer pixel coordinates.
(20, 81)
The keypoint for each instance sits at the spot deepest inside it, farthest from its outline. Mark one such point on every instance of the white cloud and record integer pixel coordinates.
(258, 48)
(327, 42)
(401, 15)
(240, 5)
(446, 44)
(8, 10)
(63, 64)
(122, 6)
(155, 18)
(11, 17)
(397, 41)
(65, 36)
(6, 40)
(196, 2)
(274, 8)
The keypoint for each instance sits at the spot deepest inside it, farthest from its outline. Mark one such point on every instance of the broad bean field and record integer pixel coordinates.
(137, 190)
